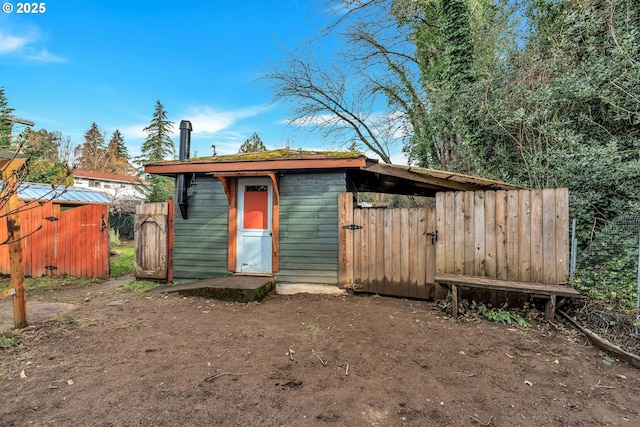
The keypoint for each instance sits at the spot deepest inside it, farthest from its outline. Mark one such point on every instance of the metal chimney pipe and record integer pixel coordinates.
(181, 179)
(185, 139)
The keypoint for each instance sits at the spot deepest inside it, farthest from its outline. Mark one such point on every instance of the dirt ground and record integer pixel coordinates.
(124, 359)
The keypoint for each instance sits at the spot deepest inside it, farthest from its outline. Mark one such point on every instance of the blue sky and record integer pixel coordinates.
(109, 61)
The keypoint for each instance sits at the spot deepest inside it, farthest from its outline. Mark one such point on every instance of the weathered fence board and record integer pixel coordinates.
(518, 235)
(392, 254)
(153, 231)
(73, 242)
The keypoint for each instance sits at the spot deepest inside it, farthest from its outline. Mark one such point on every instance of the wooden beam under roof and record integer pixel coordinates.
(172, 168)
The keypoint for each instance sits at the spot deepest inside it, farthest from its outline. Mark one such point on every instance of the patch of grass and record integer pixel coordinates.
(121, 263)
(313, 329)
(49, 283)
(138, 286)
(9, 342)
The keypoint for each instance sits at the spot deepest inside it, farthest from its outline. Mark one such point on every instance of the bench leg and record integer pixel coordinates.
(454, 301)
(550, 308)
(441, 291)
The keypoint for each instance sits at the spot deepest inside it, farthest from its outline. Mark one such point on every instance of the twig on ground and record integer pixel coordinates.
(615, 404)
(462, 374)
(422, 365)
(222, 374)
(601, 386)
(291, 354)
(480, 422)
(346, 371)
(324, 363)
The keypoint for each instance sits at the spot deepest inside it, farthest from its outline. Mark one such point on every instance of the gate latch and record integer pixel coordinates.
(352, 227)
(434, 236)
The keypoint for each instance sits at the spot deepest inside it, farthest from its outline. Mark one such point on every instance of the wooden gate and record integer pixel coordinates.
(387, 251)
(55, 242)
(153, 232)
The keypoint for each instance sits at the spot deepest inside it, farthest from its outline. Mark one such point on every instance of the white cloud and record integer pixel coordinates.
(210, 126)
(208, 121)
(27, 45)
(45, 56)
(11, 44)
(134, 131)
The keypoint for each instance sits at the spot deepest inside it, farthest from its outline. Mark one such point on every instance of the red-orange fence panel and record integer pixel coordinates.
(73, 242)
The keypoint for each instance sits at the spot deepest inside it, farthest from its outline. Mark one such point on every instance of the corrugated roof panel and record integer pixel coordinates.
(30, 191)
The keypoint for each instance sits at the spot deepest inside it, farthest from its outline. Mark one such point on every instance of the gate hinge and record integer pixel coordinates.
(434, 237)
(352, 227)
(51, 218)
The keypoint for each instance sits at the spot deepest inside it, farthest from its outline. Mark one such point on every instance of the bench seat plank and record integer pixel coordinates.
(506, 285)
(543, 290)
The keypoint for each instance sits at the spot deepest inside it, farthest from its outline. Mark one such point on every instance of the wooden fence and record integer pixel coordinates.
(153, 235)
(72, 242)
(517, 234)
(520, 235)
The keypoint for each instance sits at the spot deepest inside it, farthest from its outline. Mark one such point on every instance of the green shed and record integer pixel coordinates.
(277, 212)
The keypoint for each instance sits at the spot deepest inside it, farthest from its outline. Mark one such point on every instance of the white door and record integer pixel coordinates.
(254, 225)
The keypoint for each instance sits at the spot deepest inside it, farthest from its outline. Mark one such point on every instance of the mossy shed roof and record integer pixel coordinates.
(363, 173)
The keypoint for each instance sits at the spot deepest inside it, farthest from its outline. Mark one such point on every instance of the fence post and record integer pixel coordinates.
(10, 188)
(345, 212)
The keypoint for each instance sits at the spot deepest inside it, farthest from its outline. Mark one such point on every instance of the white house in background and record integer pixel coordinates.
(122, 189)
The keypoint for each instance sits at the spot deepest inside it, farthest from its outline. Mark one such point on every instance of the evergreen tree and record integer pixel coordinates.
(118, 156)
(120, 147)
(93, 153)
(158, 146)
(5, 120)
(253, 145)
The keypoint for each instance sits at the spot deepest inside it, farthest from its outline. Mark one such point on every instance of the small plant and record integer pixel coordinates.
(501, 315)
(9, 342)
(606, 359)
(114, 238)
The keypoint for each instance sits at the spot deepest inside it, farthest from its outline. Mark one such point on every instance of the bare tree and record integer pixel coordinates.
(370, 94)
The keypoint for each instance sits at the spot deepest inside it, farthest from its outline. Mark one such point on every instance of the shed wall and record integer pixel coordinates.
(309, 227)
(200, 242)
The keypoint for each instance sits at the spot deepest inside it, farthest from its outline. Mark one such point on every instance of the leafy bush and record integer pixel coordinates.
(501, 315)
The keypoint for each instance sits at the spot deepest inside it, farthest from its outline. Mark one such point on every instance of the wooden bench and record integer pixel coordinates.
(539, 290)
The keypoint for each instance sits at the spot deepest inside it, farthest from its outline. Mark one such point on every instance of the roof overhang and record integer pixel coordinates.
(365, 175)
(208, 166)
(409, 180)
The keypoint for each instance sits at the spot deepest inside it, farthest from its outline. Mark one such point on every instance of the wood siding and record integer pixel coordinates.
(309, 227)
(200, 242)
(72, 242)
(518, 235)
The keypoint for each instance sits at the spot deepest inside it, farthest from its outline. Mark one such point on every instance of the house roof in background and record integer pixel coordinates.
(32, 191)
(365, 174)
(106, 176)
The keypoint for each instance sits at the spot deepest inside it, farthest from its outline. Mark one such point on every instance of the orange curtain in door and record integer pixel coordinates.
(256, 208)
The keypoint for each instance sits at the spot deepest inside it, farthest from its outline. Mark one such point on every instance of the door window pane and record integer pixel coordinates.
(256, 207)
